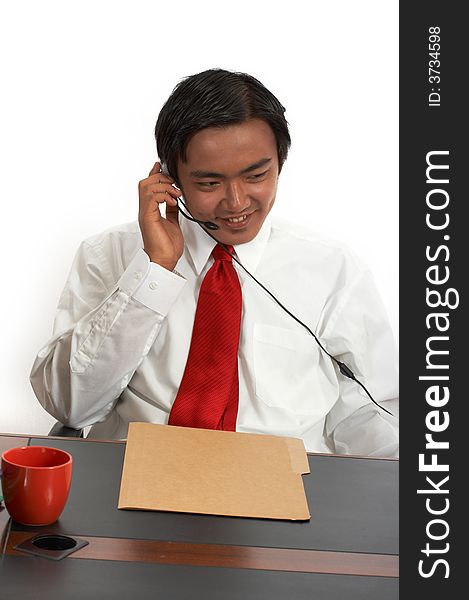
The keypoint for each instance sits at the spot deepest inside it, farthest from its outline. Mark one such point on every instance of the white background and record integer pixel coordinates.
(82, 84)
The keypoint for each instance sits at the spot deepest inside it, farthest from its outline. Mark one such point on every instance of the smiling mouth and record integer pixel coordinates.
(240, 218)
(240, 221)
(237, 219)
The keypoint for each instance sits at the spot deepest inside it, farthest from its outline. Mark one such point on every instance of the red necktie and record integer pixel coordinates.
(208, 394)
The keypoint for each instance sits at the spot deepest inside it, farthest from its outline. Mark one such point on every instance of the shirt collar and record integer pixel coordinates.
(200, 245)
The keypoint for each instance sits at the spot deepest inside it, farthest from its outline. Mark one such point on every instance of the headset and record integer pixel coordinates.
(208, 226)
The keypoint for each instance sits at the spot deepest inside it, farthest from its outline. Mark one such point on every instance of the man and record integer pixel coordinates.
(159, 323)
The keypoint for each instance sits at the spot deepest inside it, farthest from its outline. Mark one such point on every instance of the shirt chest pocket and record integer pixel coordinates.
(290, 372)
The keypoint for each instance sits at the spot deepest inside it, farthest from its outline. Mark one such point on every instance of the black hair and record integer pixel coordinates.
(216, 98)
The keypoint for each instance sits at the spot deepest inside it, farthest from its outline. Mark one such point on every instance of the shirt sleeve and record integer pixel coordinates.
(359, 335)
(102, 332)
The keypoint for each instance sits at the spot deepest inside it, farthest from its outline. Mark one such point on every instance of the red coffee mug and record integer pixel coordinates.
(36, 481)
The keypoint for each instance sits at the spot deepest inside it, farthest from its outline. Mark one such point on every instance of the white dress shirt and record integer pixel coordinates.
(123, 330)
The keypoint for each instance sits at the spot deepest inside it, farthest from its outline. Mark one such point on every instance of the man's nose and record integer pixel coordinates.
(236, 198)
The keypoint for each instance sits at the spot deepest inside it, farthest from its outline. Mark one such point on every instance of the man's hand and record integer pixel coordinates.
(162, 237)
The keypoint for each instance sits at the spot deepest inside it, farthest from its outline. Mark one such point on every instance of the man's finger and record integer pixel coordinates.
(162, 188)
(159, 178)
(156, 169)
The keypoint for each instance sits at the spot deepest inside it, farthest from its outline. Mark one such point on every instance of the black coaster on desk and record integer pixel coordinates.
(51, 545)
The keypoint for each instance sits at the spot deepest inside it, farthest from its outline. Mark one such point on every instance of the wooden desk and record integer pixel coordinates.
(347, 550)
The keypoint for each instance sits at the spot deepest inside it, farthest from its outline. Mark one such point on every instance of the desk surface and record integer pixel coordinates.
(347, 549)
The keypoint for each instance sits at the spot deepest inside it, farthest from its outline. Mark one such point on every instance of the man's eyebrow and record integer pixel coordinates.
(256, 165)
(253, 167)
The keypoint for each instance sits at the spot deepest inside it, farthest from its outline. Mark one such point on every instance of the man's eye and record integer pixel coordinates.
(208, 183)
(257, 176)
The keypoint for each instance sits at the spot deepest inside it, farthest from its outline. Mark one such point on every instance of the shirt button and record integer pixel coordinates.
(138, 274)
(153, 285)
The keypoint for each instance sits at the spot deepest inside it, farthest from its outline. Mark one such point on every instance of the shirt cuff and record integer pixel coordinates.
(149, 283)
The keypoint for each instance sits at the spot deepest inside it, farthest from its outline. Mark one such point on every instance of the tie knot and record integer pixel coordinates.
(219, 253)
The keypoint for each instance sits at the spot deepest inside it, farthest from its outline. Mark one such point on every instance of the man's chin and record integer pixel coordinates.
(232, 238)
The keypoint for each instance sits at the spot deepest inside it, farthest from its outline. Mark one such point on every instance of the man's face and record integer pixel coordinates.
(230, 178)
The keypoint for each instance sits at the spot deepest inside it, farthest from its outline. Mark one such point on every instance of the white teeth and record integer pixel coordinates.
(237, 219)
